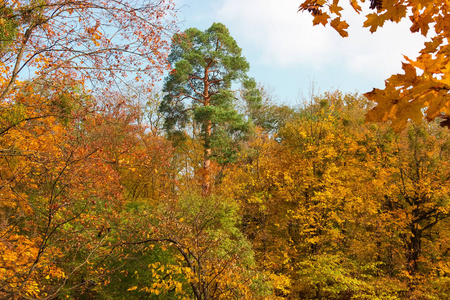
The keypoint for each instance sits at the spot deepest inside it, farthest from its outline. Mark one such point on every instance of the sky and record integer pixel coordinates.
(292, 58)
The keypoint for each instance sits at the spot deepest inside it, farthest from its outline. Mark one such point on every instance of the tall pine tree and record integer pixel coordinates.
(199, 89)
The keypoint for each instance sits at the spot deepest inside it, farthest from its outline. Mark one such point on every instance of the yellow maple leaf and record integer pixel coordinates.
(374, 21)
(431, 47)
(335, 8)
(321, 19)
(340, 26)
(355, 5)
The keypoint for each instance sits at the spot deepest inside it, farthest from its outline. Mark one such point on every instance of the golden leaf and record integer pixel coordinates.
(373, 21)
(340, 26)
(321, 19)
(355, 5)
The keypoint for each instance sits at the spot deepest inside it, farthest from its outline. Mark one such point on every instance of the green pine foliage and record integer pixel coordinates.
(206, 66)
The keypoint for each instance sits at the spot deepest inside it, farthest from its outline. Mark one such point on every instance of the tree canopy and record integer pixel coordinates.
(97, 43)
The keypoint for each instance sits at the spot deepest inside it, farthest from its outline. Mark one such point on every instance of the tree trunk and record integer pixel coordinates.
(206, 172)
(414, 249)
(413, 254)
(206, 176)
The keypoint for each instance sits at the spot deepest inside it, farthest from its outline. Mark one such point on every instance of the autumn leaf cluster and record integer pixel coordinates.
(423, 89)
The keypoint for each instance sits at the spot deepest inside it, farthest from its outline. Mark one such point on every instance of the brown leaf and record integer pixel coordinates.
(446, 122)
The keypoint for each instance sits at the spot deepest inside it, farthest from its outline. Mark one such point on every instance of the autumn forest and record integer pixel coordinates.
(139, 161)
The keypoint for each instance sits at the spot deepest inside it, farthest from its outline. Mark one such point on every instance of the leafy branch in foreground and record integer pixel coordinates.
(424, 87)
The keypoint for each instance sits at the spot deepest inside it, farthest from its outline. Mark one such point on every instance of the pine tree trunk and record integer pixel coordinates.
(206, 174)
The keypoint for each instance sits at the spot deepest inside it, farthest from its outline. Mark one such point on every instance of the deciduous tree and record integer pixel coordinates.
(425, 84)
(61, 195)
(336, 208)
(97, 42)
(201, 235)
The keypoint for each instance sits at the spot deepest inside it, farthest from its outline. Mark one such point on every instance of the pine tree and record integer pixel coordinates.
(199, 90)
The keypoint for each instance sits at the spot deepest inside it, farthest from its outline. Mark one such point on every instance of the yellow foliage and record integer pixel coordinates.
(330, 194)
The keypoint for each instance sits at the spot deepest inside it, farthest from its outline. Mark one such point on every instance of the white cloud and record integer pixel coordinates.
(282, 36)
(285, 38)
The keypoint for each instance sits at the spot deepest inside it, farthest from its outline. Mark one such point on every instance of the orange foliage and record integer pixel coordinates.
(424, 88)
